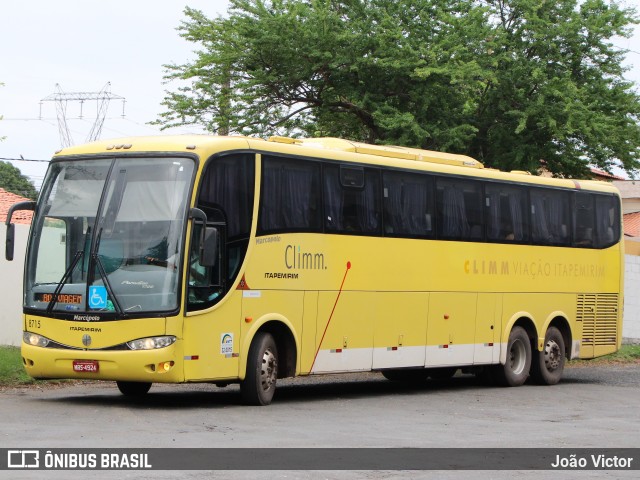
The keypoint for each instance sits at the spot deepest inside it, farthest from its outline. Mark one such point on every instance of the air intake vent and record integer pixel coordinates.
(598, 313)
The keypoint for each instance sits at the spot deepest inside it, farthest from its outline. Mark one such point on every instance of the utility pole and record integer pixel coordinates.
(61, 99)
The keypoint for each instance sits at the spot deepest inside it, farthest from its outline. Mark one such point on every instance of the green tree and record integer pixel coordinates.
(508, 82)
(12, 180)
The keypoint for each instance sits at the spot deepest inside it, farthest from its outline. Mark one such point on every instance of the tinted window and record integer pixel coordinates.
(307, 195)
(290, 195)
(607, 220)
(226, 196)
(549, 217)
(506, 213)
(228, 185)
(584, 219)
(408, 204)
(459, 209)
(351, 209)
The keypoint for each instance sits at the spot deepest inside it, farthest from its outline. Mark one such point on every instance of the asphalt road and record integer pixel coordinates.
(592, 407)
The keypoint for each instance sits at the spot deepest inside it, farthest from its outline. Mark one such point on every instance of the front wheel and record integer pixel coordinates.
(515, 371)
(548, 365)
(133, 389)
(259, 384)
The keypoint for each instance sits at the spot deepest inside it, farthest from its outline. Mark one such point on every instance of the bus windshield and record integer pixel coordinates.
(108, 236)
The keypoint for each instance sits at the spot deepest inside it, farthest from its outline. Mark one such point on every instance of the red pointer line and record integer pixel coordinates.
(330, 316)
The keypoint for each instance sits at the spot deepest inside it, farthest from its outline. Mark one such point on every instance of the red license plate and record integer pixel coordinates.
(85, 366)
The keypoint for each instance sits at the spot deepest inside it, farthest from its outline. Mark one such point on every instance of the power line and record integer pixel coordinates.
(61, 99)
(49, 119)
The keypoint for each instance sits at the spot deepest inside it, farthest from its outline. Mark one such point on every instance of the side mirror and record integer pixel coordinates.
(209, 247)
(209, 243)
(11, 228)
(10, 242)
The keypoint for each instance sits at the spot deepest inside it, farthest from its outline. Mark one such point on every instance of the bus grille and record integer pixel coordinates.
(598, 313)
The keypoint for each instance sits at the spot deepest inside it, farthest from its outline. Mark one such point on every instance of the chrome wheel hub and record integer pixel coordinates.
(517, 357)
(552, 355)
(268, 370)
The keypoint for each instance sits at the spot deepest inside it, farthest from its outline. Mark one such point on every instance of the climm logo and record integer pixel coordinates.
(296, 259)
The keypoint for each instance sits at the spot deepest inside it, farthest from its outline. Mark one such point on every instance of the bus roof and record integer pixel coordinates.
(329, 148)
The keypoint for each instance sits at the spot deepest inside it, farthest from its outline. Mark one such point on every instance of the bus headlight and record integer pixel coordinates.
(151, 343)
(35, 339)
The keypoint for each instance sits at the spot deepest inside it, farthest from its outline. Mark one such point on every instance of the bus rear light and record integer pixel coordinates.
(35, 339)
(151, 343)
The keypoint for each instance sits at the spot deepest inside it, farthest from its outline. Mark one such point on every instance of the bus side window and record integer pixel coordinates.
(290, 196)
(584, 217)
(459, 209)
(549, 217)
(350, 208)
(203, 284)
(408, 204)
(333, 199)
(226, 197)
(506, 214)
(607, 220)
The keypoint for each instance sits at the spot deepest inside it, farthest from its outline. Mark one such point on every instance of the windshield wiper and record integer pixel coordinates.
(63, 281)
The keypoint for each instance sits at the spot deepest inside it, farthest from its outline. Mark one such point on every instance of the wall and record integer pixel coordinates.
(632, 246)
(11, 292)
(631, 328)
(11, 274)
(630, 205)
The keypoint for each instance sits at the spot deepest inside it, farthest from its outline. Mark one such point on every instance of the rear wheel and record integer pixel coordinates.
(548, 365)
(133, 389)
(516, 369)
(259, 384)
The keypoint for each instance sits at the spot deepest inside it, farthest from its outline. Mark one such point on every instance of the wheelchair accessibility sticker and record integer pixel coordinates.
(97, 297)
(226, 344)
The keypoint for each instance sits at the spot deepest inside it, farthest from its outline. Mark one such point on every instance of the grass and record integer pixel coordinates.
(11, 369)
(627, 354)
(12, 372)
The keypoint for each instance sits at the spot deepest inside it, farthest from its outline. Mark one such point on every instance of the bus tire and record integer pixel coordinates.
(515, 371)
(547, 366)
(133, 389)
(259, 384)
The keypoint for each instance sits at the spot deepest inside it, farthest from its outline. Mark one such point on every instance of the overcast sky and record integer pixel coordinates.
(83, 44)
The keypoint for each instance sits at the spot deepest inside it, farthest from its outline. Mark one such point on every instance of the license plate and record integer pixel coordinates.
(85, 366)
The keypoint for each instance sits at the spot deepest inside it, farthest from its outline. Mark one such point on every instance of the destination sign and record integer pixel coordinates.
(62, 298)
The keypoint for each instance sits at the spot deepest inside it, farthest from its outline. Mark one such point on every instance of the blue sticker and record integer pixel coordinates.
(97, 297)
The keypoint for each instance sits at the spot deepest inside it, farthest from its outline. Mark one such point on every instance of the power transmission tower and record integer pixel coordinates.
(61, 99)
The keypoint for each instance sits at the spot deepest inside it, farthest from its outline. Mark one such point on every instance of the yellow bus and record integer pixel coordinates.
(231, 259)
